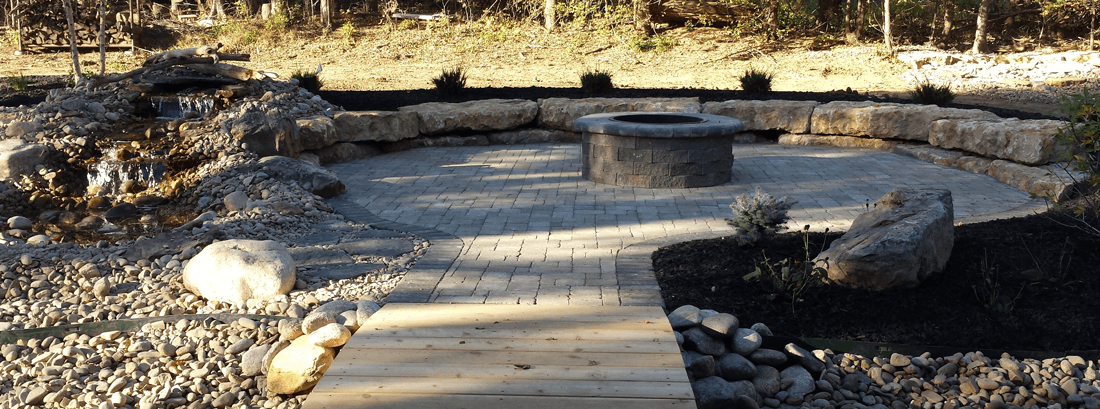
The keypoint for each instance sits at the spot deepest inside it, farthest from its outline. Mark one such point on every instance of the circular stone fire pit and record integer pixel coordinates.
(657, 150)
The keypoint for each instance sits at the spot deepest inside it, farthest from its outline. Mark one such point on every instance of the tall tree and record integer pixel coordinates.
(326, 15)
(102, 37)
(72, 41)
(550, 18)
(983, 25)
(854, 19)
(773, 19)
(642, 19)
(886, 27)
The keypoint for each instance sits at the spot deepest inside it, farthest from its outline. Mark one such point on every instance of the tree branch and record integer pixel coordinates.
(107, 79)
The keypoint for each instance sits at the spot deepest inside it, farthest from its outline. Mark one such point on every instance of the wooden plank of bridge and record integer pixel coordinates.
(481, 356)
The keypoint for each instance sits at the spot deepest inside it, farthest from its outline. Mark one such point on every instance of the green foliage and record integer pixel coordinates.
(451, 82)
(790, 279)
(756, 82)
(596, 82)
(237, 33)
(759, 215)
(1079, 141)
(657, 43)
(18, 83)
(593, 15)
(928, 93)
(346, 32)
(278, 22)
(308, 80)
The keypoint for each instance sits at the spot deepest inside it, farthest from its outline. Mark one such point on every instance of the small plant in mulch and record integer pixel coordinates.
(1080, 138)
(755, 81)
(789, 279)
(759, 215)
(596, 82)
(929, 93)
(311, 81)
(451, 82)
(18, 83)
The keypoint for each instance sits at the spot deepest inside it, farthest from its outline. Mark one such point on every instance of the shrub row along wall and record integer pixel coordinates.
(1016, 152)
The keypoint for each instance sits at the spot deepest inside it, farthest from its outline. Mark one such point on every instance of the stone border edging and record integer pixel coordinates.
(420, 281)
(98, 327)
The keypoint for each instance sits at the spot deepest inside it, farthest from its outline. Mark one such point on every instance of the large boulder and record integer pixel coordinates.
(20, 158)
(559, 113)
(265, 132)
(316, 132)
(18, 129)
(486, 115)
(884, 120)
(298, 367)
(907, 237)
(376, 126)
(790, 116)
(1023, 141)
(235, 271)
(315, 179)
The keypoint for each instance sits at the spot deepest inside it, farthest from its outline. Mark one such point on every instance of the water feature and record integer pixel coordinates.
(125, 170)
(181, 106)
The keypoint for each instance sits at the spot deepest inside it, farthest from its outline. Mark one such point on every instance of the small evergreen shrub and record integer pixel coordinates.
(759, 215)
(756, 82)
(311, 81)
(18, 83)
(658, 43)
(929, 93)
(451, 82)
(596, 82)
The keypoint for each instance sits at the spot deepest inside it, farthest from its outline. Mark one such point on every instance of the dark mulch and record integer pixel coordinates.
(1021, 284)
(38, 86)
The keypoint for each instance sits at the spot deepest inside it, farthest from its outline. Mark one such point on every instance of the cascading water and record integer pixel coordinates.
(115, 171)
(181, 106)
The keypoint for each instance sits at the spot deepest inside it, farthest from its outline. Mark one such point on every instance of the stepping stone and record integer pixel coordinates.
(344, 271)
(319, 238)
(378, 247)
(315, 256)
(378, 234)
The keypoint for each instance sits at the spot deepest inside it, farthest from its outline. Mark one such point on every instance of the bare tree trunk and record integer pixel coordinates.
(217, 8)
(854, 19)
(935, 13)
(102, 37)
(1092, 23)
(642, 22)
(326, 15)
(886, 27)
(550, 18)
(72, 41)
(773, 19)
(948, 8)
(980, 32)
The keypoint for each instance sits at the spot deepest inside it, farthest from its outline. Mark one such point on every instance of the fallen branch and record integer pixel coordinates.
(107, 79)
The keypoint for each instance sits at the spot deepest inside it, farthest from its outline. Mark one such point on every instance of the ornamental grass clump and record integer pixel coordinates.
(756, 82)
(929, 93)
(596, 82)
(759, 215)
(311, 81)
(451, 82)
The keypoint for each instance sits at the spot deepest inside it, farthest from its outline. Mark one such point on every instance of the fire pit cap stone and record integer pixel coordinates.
(659, 124)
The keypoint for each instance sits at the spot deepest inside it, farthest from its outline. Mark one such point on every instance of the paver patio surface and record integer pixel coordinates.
(534, 232)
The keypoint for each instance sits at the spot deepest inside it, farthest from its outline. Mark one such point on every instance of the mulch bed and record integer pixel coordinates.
(1022, 284)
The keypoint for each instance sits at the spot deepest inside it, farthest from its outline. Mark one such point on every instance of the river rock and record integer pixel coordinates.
(884, 120)
(790, 116)
(438, 118)
(734, 367)
(18, 129)
(745, 341)
(1029, 142)
(315, 179)
(235, 271)
(700, 366)
(20, 158)
(253, 359)
(20, 222)
(266, 133)
(376, 126)
(703, 343)
(686, 316)
(712, 393)
(767, 381)
(768, 357)
(804, 358)
(316, 132)
(331, 335)
(236, 201)
(559, 113)
(719, 325)
(907, 237)
(364, 309)
(801, 382)
(298, 367)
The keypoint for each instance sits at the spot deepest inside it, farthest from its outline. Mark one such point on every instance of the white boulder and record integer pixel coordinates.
(235, 271)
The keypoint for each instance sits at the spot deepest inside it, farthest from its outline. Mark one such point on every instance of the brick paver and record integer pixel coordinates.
(534, 232)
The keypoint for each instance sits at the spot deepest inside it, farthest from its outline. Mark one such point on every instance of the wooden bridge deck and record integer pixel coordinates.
(483, 356)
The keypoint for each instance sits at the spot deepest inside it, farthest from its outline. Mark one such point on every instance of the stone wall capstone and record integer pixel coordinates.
(790, 116)
(486, 115)
(1023, 141)
(559, 113)
(376, 126)
(884, 120)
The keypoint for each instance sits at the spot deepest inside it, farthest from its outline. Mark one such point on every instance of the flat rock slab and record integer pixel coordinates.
(487, 115)
(316, 256)
(319, 238)
(343, 271)
(377, 247)
(377, 234)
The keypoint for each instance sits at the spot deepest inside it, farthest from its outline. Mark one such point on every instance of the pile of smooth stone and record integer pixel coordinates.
(729, 368)
(180, 350)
